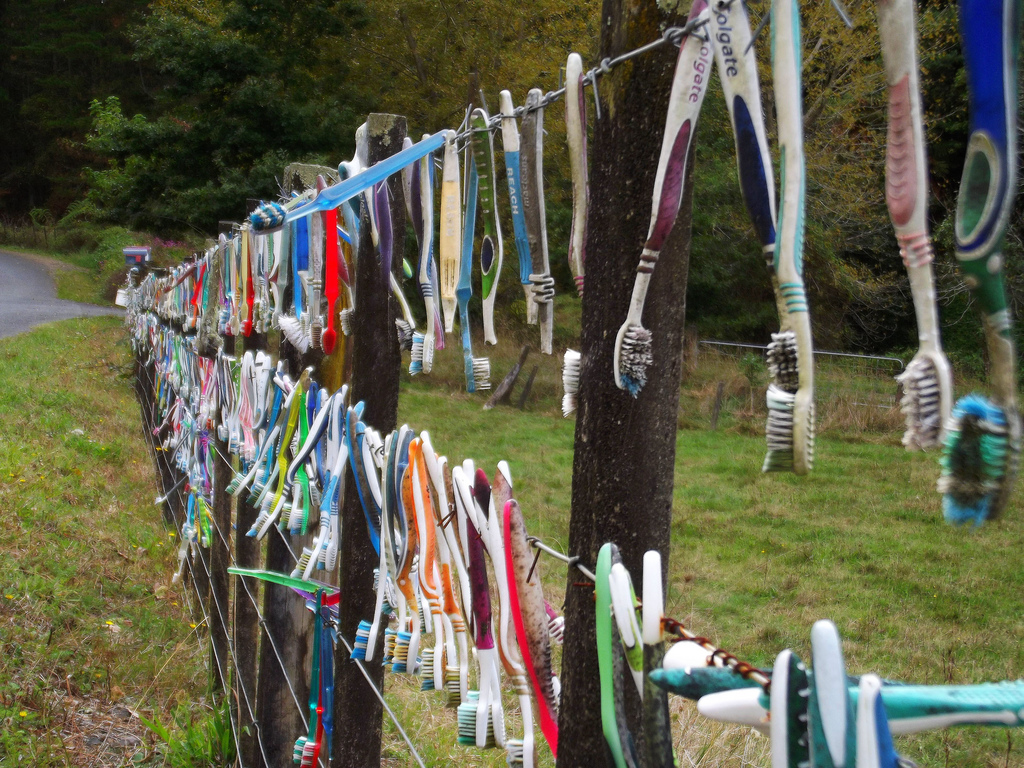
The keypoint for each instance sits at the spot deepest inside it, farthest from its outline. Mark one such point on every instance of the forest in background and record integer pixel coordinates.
(166, 116)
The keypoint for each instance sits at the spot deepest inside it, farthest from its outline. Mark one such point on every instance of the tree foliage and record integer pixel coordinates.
(170, 113)
(57, 57)
(247, 87)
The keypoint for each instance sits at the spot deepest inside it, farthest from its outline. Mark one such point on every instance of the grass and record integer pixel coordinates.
(755, 559)
(93, 636)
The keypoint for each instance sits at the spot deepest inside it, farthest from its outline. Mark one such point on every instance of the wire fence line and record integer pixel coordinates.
(860, 381)
(200, 608)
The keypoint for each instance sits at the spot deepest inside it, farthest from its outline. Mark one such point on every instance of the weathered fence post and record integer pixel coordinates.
(625, 448)
(376, 365)
(286, 646)
(246, 627)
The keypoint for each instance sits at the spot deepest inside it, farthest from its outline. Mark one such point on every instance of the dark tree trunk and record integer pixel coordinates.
(376, 365)
(625, 448)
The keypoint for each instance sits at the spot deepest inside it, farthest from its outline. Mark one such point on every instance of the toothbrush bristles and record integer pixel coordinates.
(346, 324)
(405, 334)
(782, 361)
(514, 750)
(427, 670)
(979, 461)
(452, 686)
(921, 404)
(570, 381)
(416, 362)
(636, 358)
(482, 372)
(779, 430)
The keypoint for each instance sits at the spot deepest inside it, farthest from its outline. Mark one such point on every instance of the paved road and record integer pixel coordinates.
(28, 297)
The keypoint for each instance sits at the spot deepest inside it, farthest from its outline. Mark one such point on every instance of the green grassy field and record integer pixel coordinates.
(92, 622)
(93, 635)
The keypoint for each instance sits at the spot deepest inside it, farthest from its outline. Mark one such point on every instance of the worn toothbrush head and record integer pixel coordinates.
(390, 639)
(482, 372)
(400, 653)
(632, 357)
(979, 460)
(570, 381)
(267, 217)
(789, 407)
(294, 332)
(514, 749)
(346, 324)
(405, 333)
(927, 386)
(466, 715)
(782, 361)
(416, 360)
(426, 668)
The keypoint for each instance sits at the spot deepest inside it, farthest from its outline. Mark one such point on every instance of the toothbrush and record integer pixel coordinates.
(423, 347)
(624, 609)
(408, 641)
(488, 710)
(788, 724)
(510, 146)
(350, 214)
(386, 566)
(570, 381)
(489, 499)
(449, 554)
(333, 265)
(451, 231)
(481, 721)
(318, 238)
(830, 714)
(526, 602)
(482, 143)
(790, 426)
(532, 189)
(364, 472)
(632, 355)
(609, 663)
(927, 380)
(982, 449)
(477, 369)
(729, 27)
(428, 578)
(576, 138)
(657, 720)
(874, 739)
(335, 195)
(405, 325)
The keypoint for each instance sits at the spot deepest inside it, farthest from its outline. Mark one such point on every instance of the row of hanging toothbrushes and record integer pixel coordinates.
(434, 528)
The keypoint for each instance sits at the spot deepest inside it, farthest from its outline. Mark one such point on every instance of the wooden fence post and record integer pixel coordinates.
(376, 366)
(625, 448)
(246, 629)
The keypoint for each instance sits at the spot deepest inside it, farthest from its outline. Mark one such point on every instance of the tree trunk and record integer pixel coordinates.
(625, 448)
(376, 366)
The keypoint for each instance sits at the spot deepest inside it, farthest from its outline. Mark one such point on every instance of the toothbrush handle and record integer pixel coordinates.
(991, 44)
(576, 138)
(737, 69)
